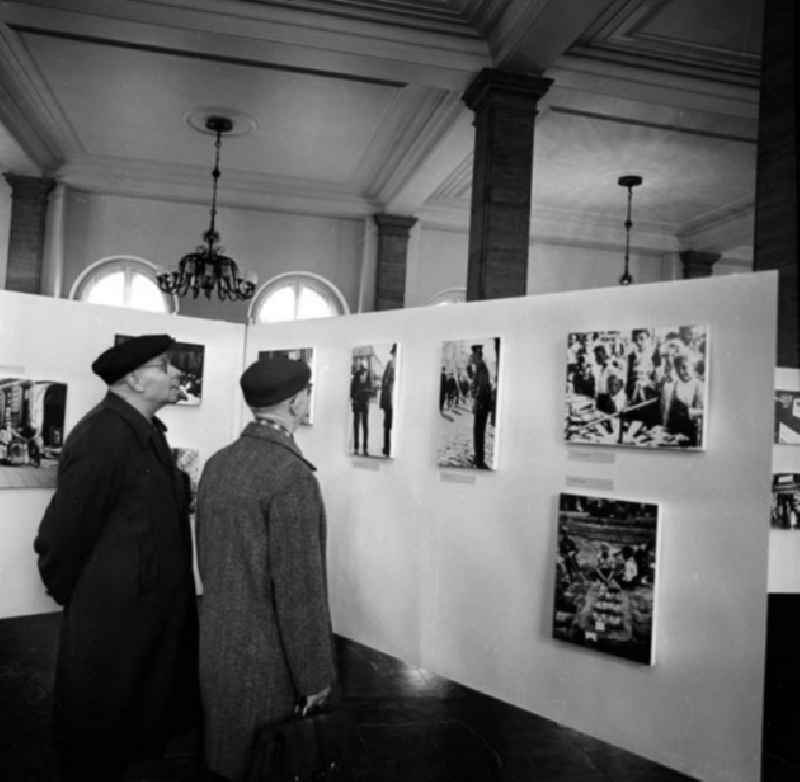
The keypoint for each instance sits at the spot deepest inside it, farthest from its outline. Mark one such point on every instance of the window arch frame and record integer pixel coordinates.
(129, 265)
(297, 279)
(456, 295)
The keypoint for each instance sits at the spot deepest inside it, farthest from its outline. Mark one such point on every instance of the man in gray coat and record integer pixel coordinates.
(265, 630)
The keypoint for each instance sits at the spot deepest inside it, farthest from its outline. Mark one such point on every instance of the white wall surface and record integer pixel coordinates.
(455, 570)
(784, 544)
(57, 339)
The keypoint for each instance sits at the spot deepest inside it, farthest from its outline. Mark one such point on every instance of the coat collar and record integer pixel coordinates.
(261, 432)
(140, 425)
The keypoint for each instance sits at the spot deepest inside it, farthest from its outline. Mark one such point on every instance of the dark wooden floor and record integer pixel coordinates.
(413, 726)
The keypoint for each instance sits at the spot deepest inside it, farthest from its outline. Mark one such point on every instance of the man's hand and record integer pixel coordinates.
(315, 702)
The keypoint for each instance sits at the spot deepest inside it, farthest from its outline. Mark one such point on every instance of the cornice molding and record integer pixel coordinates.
(265, 36)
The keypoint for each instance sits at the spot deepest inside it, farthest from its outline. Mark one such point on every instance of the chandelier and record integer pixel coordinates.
(208, 268)
(630, 181)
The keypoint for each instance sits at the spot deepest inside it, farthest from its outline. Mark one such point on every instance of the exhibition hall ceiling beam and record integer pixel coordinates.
(263, 36)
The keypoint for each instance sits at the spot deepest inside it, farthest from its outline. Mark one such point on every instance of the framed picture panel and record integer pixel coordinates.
(643, 387)
(372, 399)
(606, 563)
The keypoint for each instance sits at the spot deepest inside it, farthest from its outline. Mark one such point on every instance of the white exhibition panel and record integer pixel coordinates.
(57, 339)
(784, 544)
(454, 570)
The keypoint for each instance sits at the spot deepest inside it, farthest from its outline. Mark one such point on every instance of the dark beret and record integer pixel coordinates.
(478, 348)
(271, 380)
(113, 364)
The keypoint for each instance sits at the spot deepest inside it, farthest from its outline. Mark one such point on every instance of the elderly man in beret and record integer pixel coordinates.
(114, 550)
(265, 630)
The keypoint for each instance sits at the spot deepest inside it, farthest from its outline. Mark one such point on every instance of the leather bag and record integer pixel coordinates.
(314, 748)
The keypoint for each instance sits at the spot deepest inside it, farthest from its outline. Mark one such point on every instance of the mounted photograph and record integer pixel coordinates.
(606, 575)
(785, 510)
(642, 387)
(298, 354)
(373, 374)
(468, 394)
(189, 359)
(787, 417)
(31, 432)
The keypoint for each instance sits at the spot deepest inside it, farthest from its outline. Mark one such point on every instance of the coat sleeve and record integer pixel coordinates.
(88, 480)
(297, 567)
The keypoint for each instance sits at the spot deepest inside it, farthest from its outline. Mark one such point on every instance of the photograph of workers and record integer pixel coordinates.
(785, 510)
(189, 358)
(468, 396)
(644, 387)
(787, 417)
(605, 575)
(31, 432)
(298, 354)
(372, 401)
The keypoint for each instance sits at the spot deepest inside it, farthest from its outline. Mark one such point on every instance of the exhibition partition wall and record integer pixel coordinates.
(461, 570)
(455, 569)
(57, 340)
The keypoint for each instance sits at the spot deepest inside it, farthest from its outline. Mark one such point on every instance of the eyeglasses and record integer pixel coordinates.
(162, 363)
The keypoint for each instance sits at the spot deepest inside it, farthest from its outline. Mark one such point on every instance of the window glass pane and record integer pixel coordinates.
(145, 295)
(312, 305)
(109, 289)
(278, 306)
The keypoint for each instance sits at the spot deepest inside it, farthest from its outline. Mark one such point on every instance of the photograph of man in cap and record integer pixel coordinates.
(114, 550)
(265, 628)
(481, 404)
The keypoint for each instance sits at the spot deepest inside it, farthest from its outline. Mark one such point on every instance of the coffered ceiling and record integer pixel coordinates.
(350, 107)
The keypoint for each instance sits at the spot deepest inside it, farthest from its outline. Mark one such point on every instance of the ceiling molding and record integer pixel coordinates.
(28, 108)
(413, 142)
(266, 37)
(188, 183)
(624, 33)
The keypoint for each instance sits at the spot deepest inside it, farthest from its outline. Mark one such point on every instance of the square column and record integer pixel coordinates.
(390, 280)
(499, 236)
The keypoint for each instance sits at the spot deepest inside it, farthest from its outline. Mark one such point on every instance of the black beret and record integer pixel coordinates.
(116, 362)
(271, 380)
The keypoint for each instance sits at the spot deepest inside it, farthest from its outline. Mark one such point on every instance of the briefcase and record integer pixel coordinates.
(314, 748)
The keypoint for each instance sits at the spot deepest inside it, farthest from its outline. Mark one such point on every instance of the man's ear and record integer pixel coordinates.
(133, 381)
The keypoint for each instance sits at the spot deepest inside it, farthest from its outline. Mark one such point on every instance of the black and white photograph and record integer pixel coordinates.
(31, 432)
(787, 417)
(468, 395)
(373, 375)
(606, 575)
(189, 359)
(187, 460)
(785, 510)
(642, 387)
(298, 354)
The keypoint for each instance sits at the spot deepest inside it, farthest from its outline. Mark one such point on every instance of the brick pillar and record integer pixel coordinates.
(499, 236)
(390, 278)
(26, 235)
(778, 166)
(698, 264)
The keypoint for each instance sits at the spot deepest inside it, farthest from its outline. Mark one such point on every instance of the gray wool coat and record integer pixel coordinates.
(265, 625)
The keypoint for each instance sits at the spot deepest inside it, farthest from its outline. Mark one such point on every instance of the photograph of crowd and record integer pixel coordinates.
(373, 374)
(785, 510)
(188, 358)
(605, 575)
(468, 396)
(787, 417)
(298, 354)
(187, 460)
(31, 432)
(645, 387)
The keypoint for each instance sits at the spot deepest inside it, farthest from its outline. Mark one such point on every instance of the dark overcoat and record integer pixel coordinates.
(114, 550)
(264, 619)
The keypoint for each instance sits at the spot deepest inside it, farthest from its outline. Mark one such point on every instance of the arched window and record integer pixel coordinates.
(123, 281)
(449, 296)
(296, 296)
